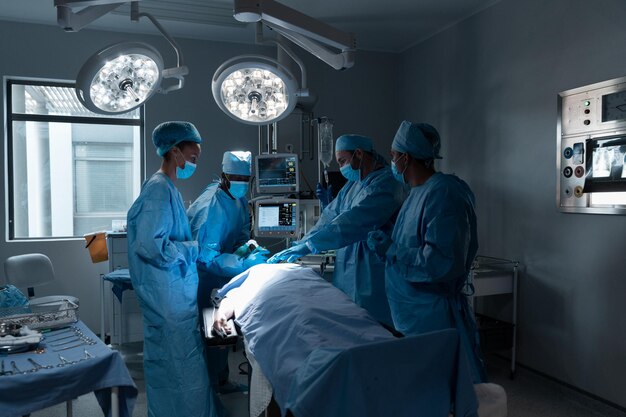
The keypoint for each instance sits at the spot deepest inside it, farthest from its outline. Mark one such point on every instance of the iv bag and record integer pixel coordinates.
(325, 132)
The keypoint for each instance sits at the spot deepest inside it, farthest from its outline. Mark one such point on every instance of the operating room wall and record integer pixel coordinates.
(40, 51)
(490, 85)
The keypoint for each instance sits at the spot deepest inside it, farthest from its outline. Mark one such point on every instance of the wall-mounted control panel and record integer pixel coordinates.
(591, 149)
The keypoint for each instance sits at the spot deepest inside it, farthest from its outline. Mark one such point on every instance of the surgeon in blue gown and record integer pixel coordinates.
(369, 201)
(433, 245)
(220, 222)
(162, 261)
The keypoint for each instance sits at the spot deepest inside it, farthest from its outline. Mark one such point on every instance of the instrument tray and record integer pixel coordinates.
(41, 315)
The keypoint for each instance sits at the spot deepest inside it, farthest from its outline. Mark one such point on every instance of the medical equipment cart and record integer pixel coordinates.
(496, 276)
(124, 317)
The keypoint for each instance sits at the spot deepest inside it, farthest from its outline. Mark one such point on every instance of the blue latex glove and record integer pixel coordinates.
(291, 254)
(379, 242)
(258, 256)
(246, 249)
(324, 195)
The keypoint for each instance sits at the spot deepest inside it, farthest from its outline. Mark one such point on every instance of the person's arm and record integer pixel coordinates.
(153, 225)
(225, 312)
(209, 225)
(375, 206)
(244, 232)
(448, 239)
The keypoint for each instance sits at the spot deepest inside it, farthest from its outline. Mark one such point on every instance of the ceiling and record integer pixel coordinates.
(379, 25)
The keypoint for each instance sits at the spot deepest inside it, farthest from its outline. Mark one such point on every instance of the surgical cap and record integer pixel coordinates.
(237, 163)
(420, 140)
(168, 134)
(352, 142)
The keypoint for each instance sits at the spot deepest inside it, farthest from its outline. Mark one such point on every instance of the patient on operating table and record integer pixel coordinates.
(312, 343)
(301, 287)
(237, 294)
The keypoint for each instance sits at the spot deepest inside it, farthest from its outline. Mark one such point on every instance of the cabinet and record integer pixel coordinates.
(494, 276)
(124, 319)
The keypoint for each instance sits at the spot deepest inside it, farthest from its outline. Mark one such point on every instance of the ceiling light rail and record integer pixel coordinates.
(310, 34)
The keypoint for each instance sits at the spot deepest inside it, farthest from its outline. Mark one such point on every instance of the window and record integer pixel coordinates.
(69, 171)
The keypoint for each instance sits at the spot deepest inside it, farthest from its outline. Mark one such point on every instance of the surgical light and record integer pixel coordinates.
(259, 90)
(119, 78)
(254, 89)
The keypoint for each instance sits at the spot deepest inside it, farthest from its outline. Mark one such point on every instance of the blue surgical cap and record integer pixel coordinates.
(351, 142)
(168, 134)
(237, 163)
(420, 140)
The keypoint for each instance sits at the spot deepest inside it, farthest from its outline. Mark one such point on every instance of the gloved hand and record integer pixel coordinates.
(291, 254)
(258, 256)
(324, 195)
(247, 248)
(379, 242)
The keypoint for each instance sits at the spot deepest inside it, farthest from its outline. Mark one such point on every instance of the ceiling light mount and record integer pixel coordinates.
(312, 35)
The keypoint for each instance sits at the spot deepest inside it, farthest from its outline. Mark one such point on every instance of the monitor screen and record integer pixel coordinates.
(605, 162)
(277, 173)
(276, 217)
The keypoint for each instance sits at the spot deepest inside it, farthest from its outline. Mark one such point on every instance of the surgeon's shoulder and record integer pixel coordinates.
(453, 187)
(386, 182)
(155, 192)
(206, 198)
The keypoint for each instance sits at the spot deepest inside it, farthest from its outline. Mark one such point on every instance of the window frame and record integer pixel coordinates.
(10, 117)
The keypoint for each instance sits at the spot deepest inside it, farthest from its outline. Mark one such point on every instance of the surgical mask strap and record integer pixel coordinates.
(360, 163)
(406, 165)
(176, 155)
(225, 185)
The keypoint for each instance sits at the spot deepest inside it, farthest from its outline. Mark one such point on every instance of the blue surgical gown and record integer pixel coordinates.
(359, 208)
(162, 262)
(434, 244)
(220, 225)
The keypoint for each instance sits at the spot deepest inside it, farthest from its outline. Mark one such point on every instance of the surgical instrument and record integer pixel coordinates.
(64, 362)
(37, 366)
(3, 372)
(70, 347)
(16, 370)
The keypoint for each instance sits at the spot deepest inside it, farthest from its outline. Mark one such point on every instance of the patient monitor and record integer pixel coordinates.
(276, 217)
(277, 173)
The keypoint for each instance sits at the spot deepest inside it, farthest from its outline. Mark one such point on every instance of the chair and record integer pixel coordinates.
(32, 270)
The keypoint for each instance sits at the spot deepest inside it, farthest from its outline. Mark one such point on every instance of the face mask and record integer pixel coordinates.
(350, 173)
(238, 189)
(185, 172)
(399, 176)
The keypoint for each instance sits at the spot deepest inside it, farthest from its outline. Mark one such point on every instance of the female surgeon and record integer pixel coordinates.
(162, 261)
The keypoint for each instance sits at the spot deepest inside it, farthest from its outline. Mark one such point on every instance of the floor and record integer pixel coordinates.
(528, 395)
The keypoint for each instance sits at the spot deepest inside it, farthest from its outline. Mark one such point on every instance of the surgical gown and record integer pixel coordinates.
(220, 225)
(434, 245)
(162, 263)
(359, 208)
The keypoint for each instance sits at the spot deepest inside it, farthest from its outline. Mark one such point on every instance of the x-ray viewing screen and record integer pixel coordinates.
(605, 165)
(277, 173)
(276, 218)
(608, 161)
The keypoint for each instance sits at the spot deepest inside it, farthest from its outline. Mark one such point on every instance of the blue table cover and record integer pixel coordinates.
(26, 393)
(120, 278)
(326, 356)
